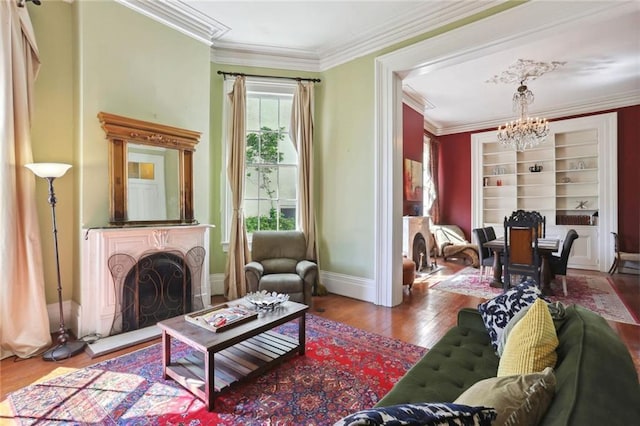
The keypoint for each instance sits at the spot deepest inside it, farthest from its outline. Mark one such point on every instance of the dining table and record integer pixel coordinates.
(546, 246)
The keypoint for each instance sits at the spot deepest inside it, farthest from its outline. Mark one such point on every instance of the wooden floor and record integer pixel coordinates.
(423, 317)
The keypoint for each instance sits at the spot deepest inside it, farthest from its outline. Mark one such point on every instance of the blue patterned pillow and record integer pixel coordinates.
(497, 312)
(427, 413)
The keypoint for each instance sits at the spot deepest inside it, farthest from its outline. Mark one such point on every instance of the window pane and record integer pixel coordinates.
(268, 184)
(269, 110)
(287, 218)
(251, 183)
(268, 220)
(251, 215)
(253, 114)
(285, 113)
(269, 146)
(289, 154)
(288, 182)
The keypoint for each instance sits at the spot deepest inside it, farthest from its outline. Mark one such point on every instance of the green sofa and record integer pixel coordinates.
(597, 383)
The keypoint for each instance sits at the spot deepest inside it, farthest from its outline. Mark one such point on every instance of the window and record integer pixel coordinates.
(271, 161)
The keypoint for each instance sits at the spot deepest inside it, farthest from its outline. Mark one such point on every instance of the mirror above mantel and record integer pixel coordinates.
(150, 171)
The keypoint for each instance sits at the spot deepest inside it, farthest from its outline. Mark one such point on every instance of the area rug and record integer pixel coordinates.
(344, 370)
(593, 292)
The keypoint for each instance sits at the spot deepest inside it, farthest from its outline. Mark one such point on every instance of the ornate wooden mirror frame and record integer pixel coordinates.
(121, 131)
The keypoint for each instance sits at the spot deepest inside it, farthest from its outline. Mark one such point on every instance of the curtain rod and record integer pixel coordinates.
(240, 74)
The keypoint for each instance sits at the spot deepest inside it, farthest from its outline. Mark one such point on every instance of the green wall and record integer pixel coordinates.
(102, 56)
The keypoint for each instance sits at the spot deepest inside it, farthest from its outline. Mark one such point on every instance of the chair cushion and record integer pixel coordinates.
(281, 283)
(518, 399)
(280, 265)
(531, 345)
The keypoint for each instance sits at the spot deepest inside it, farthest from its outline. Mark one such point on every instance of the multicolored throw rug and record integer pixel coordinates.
(344, 370)
(593, 292)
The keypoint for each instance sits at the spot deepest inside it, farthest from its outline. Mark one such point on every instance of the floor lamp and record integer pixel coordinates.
(64, 349)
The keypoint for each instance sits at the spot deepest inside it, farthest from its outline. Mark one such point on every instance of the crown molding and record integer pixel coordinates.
(595, 105)
(181, 17)
(425, 17)
(267, 57)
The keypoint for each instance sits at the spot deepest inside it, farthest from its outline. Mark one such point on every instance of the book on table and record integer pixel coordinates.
(221, 317)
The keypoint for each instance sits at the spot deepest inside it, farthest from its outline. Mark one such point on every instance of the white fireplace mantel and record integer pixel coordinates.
(98, 301)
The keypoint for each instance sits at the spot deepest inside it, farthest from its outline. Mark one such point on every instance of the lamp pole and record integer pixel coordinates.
(64, 348)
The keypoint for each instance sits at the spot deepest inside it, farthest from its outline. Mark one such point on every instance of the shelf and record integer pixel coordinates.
(591, 169)
(573, 145)
(576, 157)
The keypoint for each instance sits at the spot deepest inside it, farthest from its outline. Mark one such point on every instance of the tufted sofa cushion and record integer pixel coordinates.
(460, 359)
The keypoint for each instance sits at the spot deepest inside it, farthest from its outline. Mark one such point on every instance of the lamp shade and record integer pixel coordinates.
(48, 170)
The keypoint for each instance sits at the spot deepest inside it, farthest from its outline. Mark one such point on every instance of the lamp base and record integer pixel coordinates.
(64, 351)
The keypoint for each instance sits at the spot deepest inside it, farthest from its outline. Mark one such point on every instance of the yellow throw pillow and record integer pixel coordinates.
(531, 345)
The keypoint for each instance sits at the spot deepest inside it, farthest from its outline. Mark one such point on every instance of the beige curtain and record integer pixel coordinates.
(238, 255)
(301, 133)
(24, 324)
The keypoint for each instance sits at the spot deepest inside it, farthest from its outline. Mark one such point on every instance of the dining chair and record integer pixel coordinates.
(558, 264)
(521, 254)
(485, 256)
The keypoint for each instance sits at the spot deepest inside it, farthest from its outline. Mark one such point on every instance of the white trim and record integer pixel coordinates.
(349, 286)
(474, 40)
(180, 17)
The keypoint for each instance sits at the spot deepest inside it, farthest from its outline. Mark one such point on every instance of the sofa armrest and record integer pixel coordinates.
(253, 271)
(471, 318)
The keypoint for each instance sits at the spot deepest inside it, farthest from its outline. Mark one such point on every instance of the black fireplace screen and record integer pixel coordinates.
(159, 285)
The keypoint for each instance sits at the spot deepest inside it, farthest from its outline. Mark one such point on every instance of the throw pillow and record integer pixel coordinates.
(531, 345)
(497, 312)
(507, 330)
(421, 414)
(519, 399)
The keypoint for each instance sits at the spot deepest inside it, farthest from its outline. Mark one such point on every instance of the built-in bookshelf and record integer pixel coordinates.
(570, 179)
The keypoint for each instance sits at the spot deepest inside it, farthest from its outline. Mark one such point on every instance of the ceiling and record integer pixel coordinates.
(601, 54)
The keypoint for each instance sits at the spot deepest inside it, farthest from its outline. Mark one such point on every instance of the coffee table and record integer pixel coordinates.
(223, 358)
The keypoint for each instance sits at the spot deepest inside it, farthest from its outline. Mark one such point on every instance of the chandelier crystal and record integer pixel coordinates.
(525, 132)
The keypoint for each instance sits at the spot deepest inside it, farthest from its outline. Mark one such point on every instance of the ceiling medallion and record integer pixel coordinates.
(525, 132)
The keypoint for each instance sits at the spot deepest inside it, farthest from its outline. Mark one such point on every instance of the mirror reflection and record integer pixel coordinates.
(153, 175)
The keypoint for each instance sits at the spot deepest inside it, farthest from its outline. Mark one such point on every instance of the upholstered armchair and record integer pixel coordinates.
(278, 263)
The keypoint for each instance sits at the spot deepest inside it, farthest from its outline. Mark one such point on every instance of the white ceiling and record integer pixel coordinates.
(602, 52)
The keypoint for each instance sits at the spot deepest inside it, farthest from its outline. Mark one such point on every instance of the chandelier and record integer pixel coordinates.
(525, 132)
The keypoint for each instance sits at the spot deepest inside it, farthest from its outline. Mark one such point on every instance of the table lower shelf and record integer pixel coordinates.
(243, 360)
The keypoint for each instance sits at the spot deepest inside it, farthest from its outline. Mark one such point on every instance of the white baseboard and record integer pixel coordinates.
(349, 286)
(344, 285)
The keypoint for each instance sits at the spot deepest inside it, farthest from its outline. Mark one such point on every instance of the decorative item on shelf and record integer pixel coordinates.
(266, 301)
(566, 180)
(536, 168)
(582, 205)
(64, 348)
(525, 132)
(581, 165)
(485, 182)
(499, 182)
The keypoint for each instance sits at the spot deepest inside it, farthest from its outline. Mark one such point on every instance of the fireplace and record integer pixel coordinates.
(416, 240)
(159, 285)
(133, 277)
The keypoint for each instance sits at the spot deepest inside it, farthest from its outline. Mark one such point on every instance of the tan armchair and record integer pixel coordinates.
(278, 264)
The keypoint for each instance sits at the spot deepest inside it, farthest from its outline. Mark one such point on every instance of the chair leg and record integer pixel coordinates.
(564, 284)
(614, 266)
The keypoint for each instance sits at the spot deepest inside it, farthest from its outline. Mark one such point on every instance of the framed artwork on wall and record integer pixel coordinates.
(412, 180)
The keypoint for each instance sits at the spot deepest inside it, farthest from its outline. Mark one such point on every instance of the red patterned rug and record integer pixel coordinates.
(344, 370)
(593, 292)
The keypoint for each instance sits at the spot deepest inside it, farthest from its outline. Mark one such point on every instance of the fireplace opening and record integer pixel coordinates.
(159, 287)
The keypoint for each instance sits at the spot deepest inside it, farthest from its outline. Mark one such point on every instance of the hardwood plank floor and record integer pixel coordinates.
(422, 319)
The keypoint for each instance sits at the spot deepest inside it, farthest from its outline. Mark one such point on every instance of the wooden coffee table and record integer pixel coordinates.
(226, 357)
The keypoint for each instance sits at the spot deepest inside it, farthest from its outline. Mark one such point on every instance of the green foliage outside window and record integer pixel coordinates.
(270, 223)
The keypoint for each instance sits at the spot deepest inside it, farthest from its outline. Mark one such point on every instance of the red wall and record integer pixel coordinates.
(412, 146)
(455, 178)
